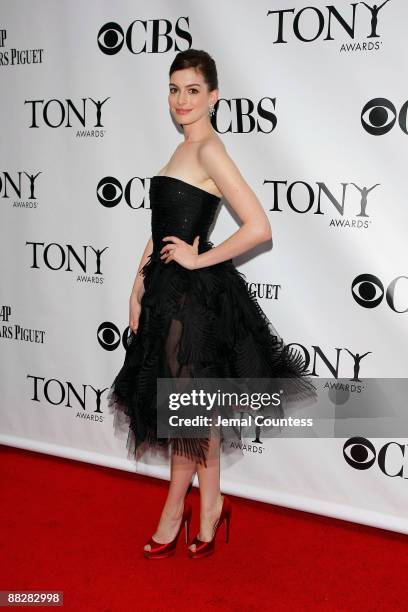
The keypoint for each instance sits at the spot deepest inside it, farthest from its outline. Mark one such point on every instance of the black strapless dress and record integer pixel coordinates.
(193, 324)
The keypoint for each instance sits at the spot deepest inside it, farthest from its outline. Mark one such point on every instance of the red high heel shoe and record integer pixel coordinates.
(203, 549)
(161, 551)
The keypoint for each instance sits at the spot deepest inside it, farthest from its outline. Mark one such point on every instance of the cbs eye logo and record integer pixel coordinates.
(359, 453)
(368, 291)
(110, 38)
(379, 115)
(144, 36)
(110, 192)
(108, 336)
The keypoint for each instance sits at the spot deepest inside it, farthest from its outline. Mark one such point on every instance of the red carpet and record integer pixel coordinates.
(79, 528)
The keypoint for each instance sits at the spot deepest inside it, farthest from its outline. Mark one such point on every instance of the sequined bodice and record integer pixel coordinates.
(180, 209)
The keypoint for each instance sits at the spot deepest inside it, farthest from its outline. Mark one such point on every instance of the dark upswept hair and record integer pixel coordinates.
(201, 61)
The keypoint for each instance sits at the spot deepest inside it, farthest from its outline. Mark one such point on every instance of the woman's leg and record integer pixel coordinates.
(210, 494)
(181, 473)
(182, 468)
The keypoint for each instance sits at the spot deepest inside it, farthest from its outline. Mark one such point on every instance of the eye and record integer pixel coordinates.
(192, 89)
(367, 290)
(108, 336)
(378, 116)
(110, 38)
(359, 453)
(109, 191)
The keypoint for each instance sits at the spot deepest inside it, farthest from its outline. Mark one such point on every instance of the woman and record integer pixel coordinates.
(203, 321)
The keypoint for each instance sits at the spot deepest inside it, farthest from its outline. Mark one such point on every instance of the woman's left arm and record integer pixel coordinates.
(255, 227)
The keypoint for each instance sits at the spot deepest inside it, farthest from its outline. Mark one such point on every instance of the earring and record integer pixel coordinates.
(211, 109)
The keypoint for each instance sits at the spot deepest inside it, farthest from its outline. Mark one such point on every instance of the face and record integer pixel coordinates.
(189, 97)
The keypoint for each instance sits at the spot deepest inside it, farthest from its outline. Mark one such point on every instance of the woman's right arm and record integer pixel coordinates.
(138, 285)
(138, 288)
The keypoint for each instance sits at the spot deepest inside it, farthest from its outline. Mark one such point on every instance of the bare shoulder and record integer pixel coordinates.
(206, 149)
(211, 146)
(223, 171)
(220, 167)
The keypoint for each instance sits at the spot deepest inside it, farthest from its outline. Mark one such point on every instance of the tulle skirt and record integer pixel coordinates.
(200, 323)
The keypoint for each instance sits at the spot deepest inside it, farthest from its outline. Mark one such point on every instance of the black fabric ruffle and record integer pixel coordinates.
(197, 323)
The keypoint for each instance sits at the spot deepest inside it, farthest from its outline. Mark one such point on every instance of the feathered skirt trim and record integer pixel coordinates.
(196, 324)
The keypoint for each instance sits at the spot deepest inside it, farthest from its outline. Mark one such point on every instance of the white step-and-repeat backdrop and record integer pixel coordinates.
(313, 110)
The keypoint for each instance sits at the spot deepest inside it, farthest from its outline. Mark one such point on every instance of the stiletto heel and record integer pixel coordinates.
(162, 551)
(203, 549)
(227, 526)
(187, 522)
